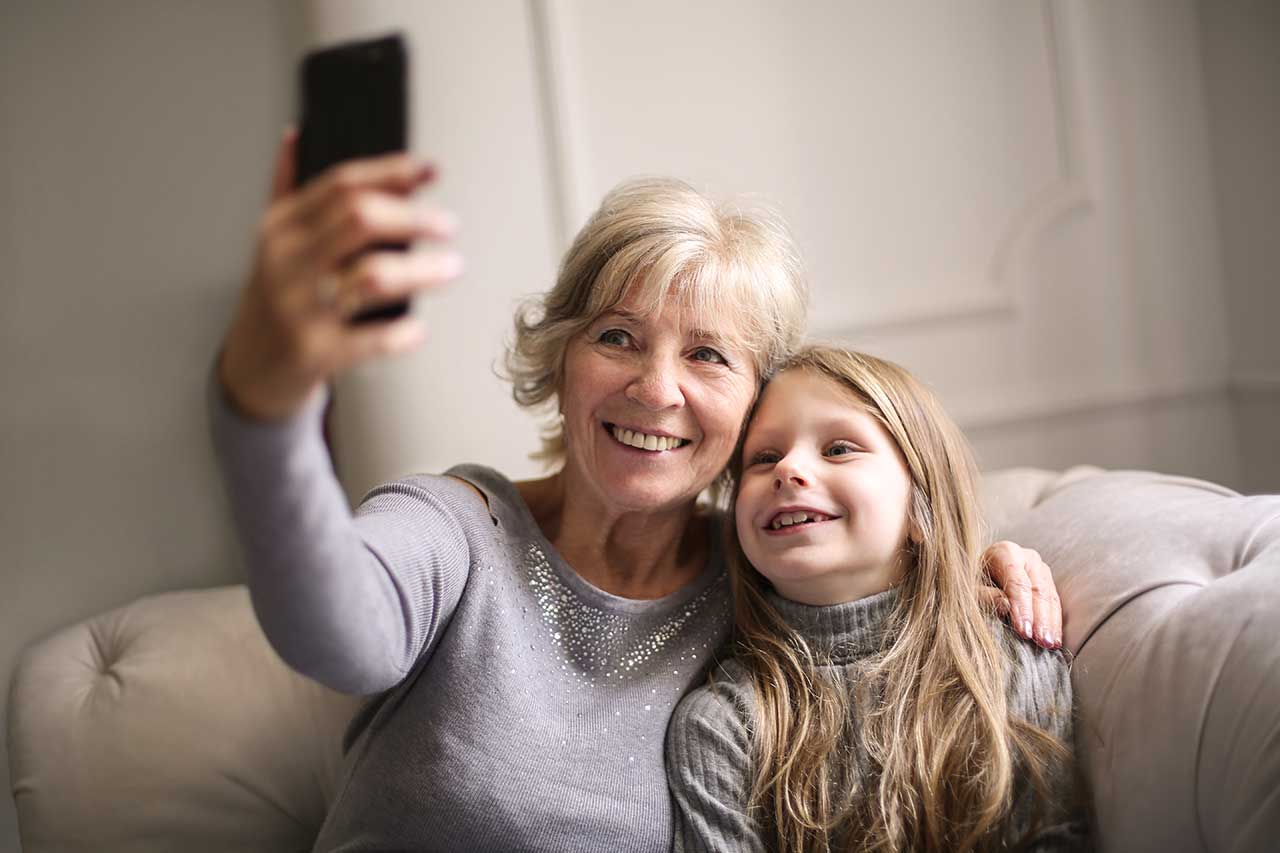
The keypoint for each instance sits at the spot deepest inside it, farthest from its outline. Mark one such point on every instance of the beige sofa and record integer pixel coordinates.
(170, 724)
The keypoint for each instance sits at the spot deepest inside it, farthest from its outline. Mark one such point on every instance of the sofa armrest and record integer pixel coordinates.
(171, 718)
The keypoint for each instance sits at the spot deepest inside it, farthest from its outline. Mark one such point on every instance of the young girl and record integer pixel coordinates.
(872, 705)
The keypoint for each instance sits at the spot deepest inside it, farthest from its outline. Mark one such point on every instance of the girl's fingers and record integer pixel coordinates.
(1044, 597)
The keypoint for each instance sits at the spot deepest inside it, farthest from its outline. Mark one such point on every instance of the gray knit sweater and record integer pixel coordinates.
(709, 760)
(513, 705)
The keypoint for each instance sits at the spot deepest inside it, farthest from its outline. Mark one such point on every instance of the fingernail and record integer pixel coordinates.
(1026, 629)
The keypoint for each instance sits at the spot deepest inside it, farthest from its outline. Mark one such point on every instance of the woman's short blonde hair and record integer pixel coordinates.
(658, 239)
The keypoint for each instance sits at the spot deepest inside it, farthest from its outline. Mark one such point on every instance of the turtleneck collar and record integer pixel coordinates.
(847, 632)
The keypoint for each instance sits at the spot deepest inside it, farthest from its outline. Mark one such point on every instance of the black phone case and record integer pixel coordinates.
(354, 104)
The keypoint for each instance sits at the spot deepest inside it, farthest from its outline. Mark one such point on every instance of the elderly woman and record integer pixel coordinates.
(523, 643)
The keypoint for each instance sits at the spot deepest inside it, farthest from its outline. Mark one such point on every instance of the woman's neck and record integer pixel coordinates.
(631, 554)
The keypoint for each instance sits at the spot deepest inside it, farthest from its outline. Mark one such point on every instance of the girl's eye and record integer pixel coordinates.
(764, 457)
(614, 337)
(709, 355)
(841, 449)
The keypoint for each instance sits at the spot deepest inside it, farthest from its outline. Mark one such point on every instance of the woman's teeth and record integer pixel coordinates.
(786, 519)
(646, 442)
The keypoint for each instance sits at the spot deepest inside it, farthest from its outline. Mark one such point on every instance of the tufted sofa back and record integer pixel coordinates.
(170, 724)
(1171, 587)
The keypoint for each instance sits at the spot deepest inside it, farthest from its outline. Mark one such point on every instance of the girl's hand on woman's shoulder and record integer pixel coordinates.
(1026, 594)
(316, 265)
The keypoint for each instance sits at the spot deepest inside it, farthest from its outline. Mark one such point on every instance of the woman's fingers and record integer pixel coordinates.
(1005, 563)
(358, 222)
(1044, 599)
(377, 340)
(399, 173)
(285, 166)
(994, 601)
(317, 263)
(383, 277)
(1034, 609)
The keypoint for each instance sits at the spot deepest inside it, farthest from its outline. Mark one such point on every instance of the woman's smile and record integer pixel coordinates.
(647, 440)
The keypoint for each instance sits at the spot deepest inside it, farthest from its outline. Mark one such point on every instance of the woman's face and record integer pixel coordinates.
(652, 406)
(822, 506)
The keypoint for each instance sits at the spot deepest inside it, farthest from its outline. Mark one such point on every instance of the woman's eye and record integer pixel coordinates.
(614, 337)
(709, 355)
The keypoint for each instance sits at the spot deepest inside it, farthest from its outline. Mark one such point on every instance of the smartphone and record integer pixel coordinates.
(354, 103)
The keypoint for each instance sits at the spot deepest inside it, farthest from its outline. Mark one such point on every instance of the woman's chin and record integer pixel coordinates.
(648, 492)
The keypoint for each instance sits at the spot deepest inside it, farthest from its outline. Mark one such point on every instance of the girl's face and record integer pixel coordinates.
(822, 506)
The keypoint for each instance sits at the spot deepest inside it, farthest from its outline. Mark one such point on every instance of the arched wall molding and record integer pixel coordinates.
(994, 295)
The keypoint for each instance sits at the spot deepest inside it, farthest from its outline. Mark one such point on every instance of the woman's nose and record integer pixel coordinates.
(657, 387)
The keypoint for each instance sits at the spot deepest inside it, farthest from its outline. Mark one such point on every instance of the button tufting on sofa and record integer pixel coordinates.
(170, 719)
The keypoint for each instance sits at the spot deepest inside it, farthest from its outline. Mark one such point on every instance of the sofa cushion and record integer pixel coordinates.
(171, 718)
(1171, 590)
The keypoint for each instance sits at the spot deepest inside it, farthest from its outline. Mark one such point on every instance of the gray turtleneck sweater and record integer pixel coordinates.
(709, 761)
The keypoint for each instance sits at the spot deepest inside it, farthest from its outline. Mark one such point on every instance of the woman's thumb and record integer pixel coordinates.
(286, 164)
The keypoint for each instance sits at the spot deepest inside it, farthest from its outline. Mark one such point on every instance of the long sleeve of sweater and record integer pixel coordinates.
(709, 768)
(1040, 693)
(349, 600)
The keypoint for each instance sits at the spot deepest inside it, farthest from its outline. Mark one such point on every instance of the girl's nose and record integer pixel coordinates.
(789, 472)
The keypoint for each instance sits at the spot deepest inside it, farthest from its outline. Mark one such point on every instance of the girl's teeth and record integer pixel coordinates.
(787, 519)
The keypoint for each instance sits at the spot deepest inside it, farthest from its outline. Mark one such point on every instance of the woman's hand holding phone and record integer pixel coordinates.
(315, 268)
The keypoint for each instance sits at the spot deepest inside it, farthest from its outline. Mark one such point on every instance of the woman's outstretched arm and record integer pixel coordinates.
(347, 600)
(350, 601)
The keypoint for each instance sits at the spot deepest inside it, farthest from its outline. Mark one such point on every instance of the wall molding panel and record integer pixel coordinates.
(988, 291)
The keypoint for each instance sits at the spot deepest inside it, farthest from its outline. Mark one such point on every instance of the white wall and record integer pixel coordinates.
(1242, 71)
(1016, 200)
(135, 145)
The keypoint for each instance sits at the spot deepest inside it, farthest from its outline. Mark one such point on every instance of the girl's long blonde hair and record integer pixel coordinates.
(933, 726)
